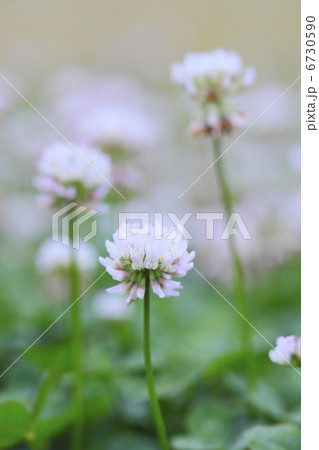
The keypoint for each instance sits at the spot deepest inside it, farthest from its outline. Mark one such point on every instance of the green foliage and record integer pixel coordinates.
(274, 437)
(15, 424)
(199, 370)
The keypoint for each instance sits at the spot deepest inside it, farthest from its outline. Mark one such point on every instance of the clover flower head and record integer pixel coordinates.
(55, 257)
(211, 75)
(150, 252)
(287, 351)
(76, 172)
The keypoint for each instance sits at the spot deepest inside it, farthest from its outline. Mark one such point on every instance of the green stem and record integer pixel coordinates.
(42, 394)
(76, 348)
(39, 402)
(238, 270)
(149, 372)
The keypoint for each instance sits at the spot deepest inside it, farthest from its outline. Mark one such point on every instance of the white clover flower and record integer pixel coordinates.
(212, 74)
(54, 257)
(65, 173)
(210, 77)
(287, 351)
(152, 253)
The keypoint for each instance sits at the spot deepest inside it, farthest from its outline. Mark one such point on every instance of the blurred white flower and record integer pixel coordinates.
(287, 351)
(109, 307)
(151, 252)
(54, 257)
(210, 77)
(212, 74)
(65, 173)
(111, 112)
(116, 126)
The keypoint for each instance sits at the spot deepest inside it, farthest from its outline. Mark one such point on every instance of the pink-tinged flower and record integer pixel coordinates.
(287, 351)
(81, 173)
(151, 254)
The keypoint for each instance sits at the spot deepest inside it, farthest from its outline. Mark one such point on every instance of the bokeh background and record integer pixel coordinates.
(71, 59)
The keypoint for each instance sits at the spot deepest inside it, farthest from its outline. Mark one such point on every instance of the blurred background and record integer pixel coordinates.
(87, 64)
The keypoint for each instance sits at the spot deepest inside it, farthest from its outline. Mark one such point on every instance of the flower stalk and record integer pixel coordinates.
(238, 270)
(143, 262)
(159, 422)
(76, 347)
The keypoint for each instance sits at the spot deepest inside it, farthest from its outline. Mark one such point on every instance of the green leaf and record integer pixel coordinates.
(15, 423)
(224, 363)
(267, 400)
(98, 398)
(53, 426)
(211, 419)
(274, 437)
(294, 415)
